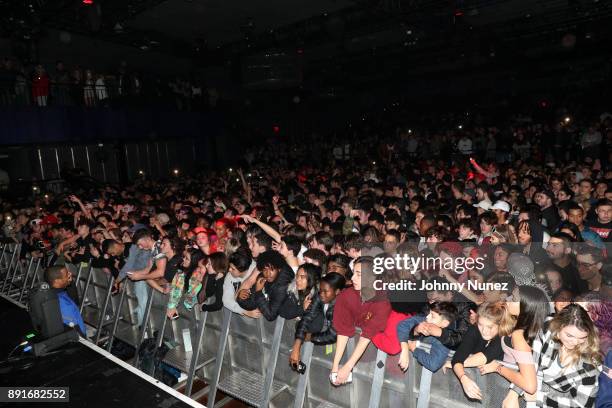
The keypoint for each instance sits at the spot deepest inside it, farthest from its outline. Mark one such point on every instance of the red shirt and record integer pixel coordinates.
(40, 85)
(351, 312)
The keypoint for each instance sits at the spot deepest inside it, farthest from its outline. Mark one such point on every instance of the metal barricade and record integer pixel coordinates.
(125, 324)
(244, 381)
(25, 290)
(240, 357)
(11, 268)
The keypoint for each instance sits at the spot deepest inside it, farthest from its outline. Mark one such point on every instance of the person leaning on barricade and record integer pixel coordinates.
(356, 307)
(568, 360)
(531, 307)
(482, 344)
(270, 290)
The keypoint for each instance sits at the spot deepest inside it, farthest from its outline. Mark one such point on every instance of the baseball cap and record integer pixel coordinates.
(501, 205)
(484, 204)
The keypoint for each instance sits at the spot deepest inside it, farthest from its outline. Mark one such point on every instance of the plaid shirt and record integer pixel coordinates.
(576, 387)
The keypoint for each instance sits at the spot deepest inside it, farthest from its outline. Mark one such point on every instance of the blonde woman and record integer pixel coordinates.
(482, 344)
(568, 361)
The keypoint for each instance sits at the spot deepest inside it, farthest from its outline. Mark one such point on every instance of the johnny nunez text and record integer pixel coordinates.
(438, 286)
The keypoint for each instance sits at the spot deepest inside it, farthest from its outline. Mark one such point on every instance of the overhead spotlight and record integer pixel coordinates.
(141, 172)
(567, 119)
(118, 27)
(460, 127)
(176, 172)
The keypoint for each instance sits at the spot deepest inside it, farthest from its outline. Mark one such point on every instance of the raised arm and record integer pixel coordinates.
(84, 209)
(267, 229)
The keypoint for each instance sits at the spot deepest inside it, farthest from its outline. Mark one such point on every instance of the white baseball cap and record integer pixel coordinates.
(501, 205)
(484, 204)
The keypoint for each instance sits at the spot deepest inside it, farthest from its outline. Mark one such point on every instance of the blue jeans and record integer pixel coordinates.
(141, 290)
(435, 359)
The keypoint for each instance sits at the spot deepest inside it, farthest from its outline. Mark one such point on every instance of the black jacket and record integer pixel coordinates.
(474, 343)
(327, 335)
(312, 318)
(271, 298)
(453, 334)
(292, 308)
(213, 289)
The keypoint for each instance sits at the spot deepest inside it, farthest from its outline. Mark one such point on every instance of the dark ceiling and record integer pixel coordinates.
(370, 39)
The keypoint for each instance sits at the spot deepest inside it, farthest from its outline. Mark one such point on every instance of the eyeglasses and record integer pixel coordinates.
(585, 264)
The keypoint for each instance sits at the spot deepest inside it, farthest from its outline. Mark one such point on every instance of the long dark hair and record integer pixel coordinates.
(313, 274)
(534, 310)
(197, 256)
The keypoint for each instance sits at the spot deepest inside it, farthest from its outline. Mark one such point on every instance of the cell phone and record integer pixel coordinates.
(129, 273)
(174, 317)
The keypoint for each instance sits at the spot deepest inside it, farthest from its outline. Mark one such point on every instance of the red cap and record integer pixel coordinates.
(50, 219)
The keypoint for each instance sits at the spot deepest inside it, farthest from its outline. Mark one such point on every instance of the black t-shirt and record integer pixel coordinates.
(571, 279)
(172, 267)
(551, 215)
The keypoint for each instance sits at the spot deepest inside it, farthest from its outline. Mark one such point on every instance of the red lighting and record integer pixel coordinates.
(458, 13)
(300, 51)
(88, 2)
(276, 129)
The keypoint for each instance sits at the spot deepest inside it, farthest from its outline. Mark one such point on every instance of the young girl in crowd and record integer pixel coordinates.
(301, 293)
(568, 359)
(329, 288)
(211, 295)
(187, 283)
(482, 344)
(531, 307)
(304, 302)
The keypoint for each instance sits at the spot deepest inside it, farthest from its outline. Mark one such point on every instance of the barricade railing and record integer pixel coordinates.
(20, 275)
(10, 268)
(247, 358)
